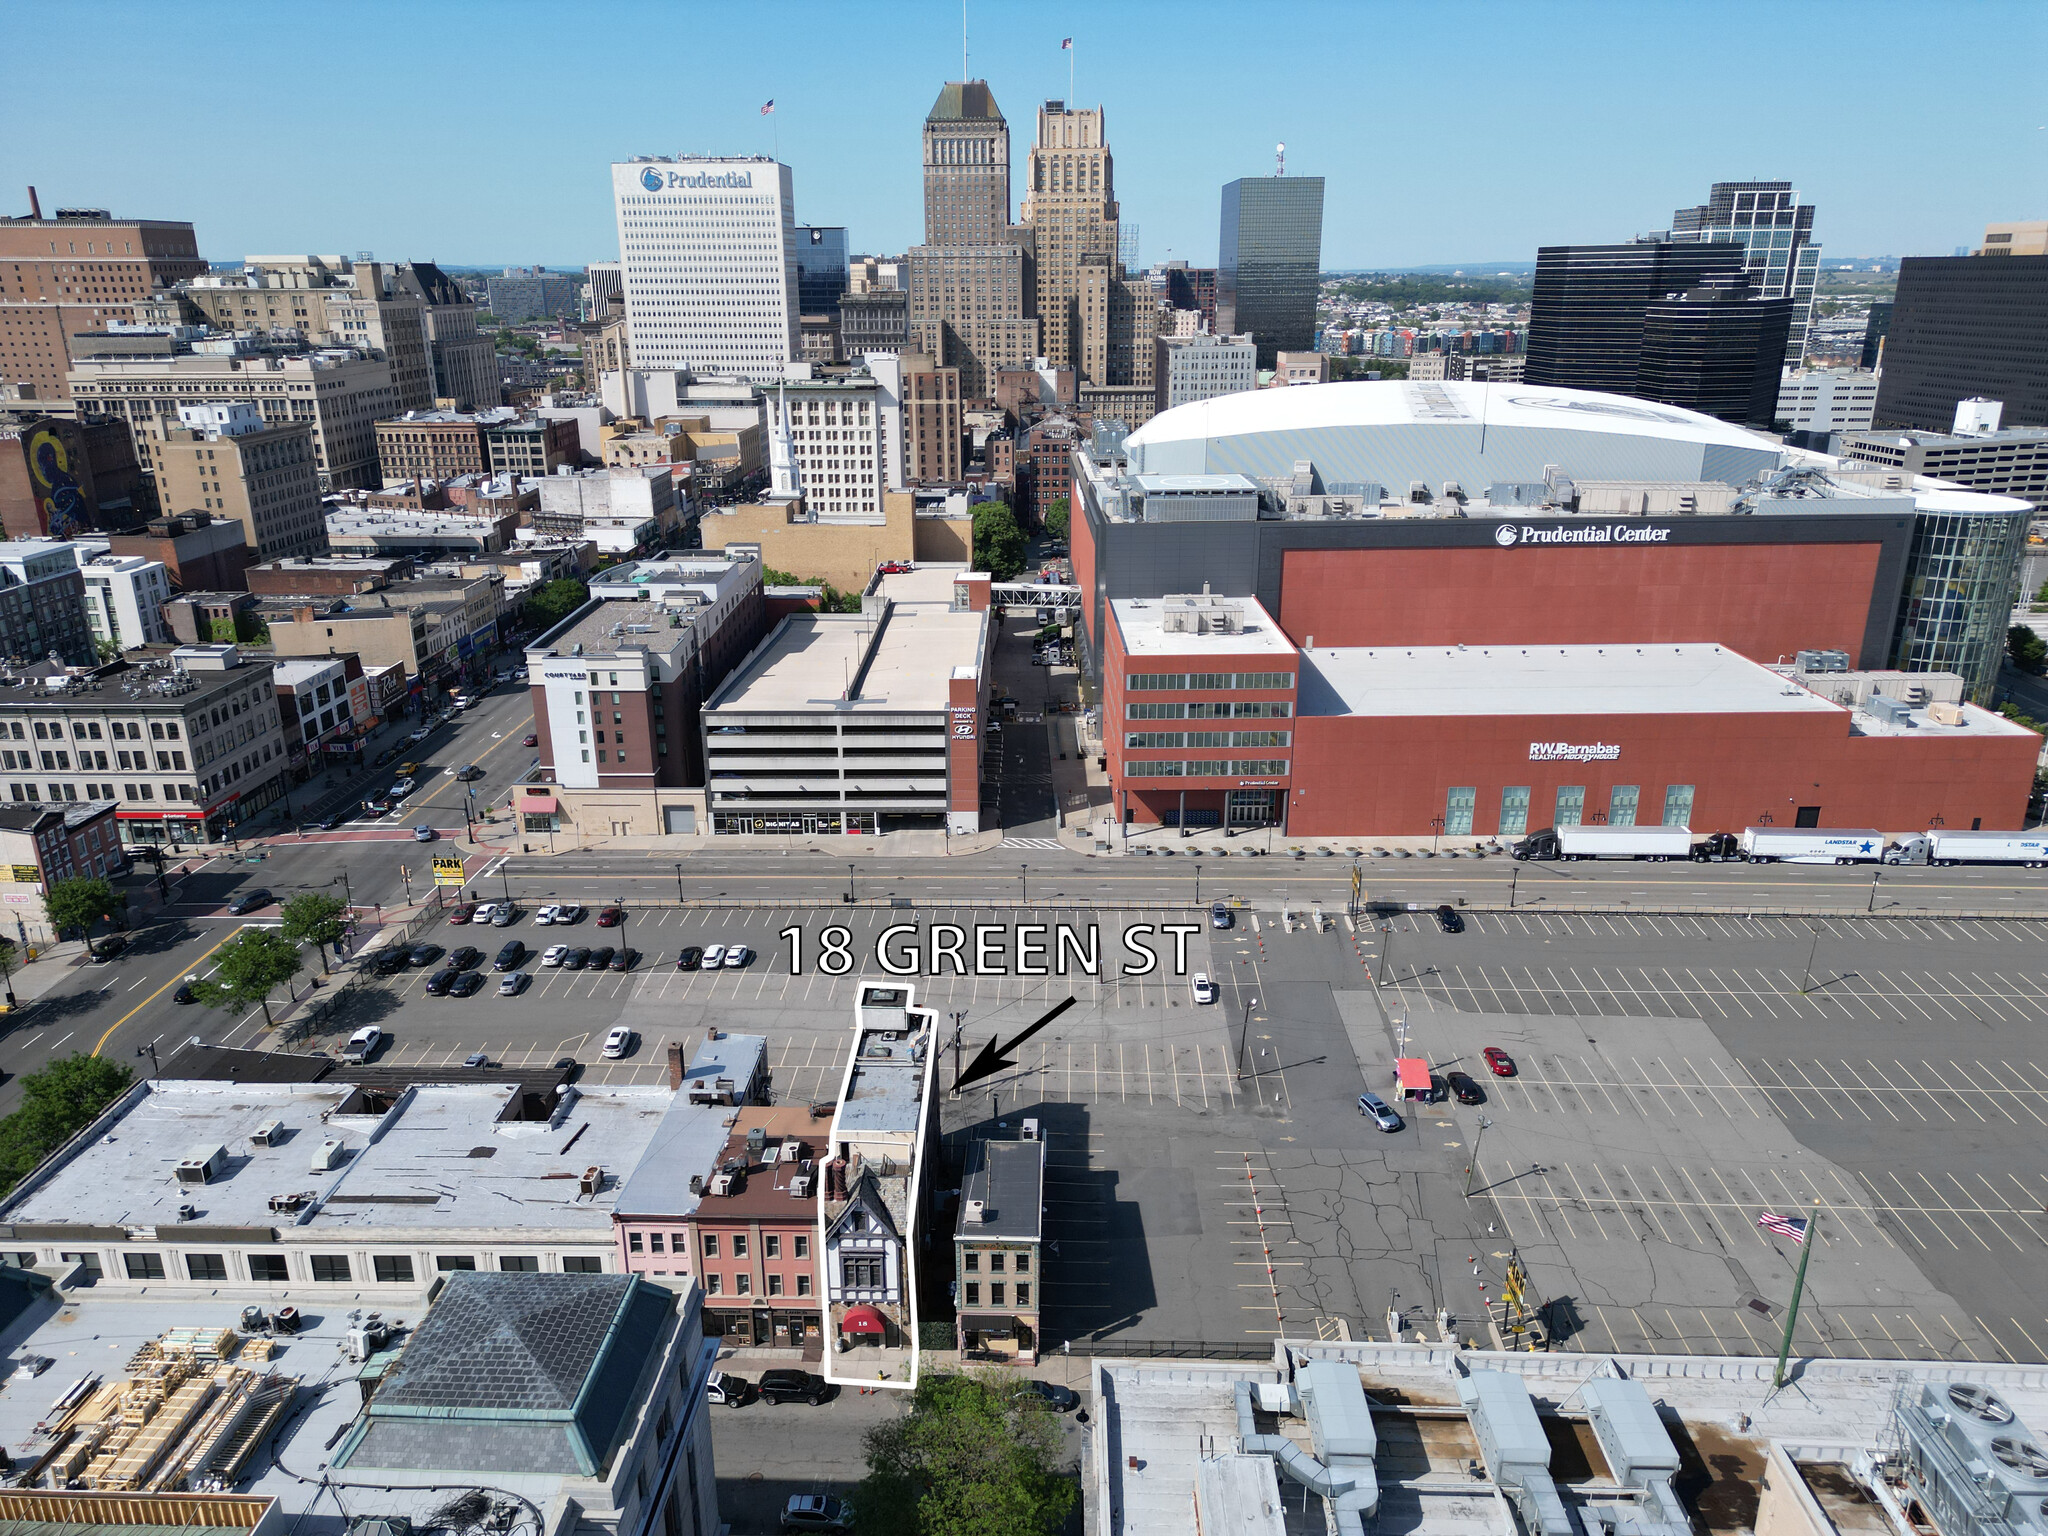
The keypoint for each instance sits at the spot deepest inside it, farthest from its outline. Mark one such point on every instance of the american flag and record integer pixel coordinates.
(1793, 1227)
(770, 107)
(1066, 42)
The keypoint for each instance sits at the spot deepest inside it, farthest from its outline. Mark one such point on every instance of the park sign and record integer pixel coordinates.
(448, 871)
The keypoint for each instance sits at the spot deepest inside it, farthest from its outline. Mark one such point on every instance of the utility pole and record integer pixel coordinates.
(958, 1029)
(1806, 977)
(1798, 1285)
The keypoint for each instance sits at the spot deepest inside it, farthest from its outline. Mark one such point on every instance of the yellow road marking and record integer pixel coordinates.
(159, 992)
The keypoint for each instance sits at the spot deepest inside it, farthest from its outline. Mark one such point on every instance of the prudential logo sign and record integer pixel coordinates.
(651, 179)
(1507, 535)
(672, 181)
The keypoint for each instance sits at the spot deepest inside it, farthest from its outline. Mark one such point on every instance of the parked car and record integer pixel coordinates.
(419, 735)
(544, 916)
(362, 1045)
(424, 835)
(1060, 1399)
(424, 954)
(816, 1511)
(249, 901)
(1219, 915)
(393, 960)
(569, 912)
(576, 959)
(108, 948)
(737, 956)
(1498, 1061)
(783, 1386)
(511, 957)
(714, 956)
(466, 984)
(617, 1043)
(1448, 919)
(727, 1389)
(893, 568)
(690, 958)
(477, 1059)
(554, 955)
(611, 917)
(513, 983)
(601, 957)
(624, 960)
(485, 911)
(1464, 1089)
(1380, 1112)
(461, 914)
(505, 915)
(1205, 989)
(465, 958)
(439, 983)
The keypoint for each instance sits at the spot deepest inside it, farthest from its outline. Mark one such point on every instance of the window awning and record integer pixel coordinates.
(987, 1322)
(863, 1320)
(1412, 1074)
(537, 802)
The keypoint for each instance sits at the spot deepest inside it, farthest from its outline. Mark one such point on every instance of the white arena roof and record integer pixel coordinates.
(1393, 431)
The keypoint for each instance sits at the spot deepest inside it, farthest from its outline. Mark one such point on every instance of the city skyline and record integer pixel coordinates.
(1424, 165)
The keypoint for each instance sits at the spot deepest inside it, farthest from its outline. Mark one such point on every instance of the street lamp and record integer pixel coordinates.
(1198, 885)
(1485, 1125)
(849, 884)
(149, 1050)
(405, 873)
(1436, 830)
(1024, 881)
(679, 880)
(1245, 1035)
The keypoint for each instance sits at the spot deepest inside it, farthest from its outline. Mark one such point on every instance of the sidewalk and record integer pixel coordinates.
(51, 965)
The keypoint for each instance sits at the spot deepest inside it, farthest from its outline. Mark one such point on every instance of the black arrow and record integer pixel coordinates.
(992, 1060)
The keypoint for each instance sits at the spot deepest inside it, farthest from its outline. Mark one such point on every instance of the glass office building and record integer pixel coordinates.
(1961, 578)
(1775, 231)
(1269, 256)
(821, 264)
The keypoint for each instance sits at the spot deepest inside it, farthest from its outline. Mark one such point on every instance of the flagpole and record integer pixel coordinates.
(1798, 1285)
(1070, 74)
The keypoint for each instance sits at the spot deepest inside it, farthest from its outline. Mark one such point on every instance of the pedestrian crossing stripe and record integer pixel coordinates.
(1032, 842)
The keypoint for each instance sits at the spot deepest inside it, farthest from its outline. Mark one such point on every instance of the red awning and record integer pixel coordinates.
(863, 1320)
(536, 802)
(1411, 1073)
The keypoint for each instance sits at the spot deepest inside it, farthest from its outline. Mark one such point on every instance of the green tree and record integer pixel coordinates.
(2019, 716)
(998, 541)
(250, 967)
(105, 650)
(81, 901)
(314, 917)
(250, 628)
(1057, 517)
(1345, 368)
(2029, 652)
(554, 601)
(57, 1103)
(968, 1459)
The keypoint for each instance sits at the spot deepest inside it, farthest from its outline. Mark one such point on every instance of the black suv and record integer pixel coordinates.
(692, 958)
(794, 1386)
(1448, 919)
(511, 957)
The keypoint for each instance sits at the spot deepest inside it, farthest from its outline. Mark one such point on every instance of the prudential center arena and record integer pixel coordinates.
(1400, 609)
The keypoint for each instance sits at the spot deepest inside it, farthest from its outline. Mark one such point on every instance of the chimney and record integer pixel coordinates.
(35, 204)
(675, 1066)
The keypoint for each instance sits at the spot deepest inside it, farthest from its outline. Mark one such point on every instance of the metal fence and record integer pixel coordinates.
(1170, 1349)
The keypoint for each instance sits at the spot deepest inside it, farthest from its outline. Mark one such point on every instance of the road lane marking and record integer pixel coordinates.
(159, 992)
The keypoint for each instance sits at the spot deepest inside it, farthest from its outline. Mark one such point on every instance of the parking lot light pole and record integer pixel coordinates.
(1198, 885)
(679, 880)
(1024, 882)
(1514, 877)
(849, 884)
(1245, 1035)
(1875, 873)
(1806, 976)
(1484, 1126)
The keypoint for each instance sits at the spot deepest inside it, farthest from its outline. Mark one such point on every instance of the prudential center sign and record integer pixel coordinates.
(1508, 535)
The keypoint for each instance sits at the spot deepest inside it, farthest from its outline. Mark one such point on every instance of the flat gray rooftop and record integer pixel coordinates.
(807, 663)
(429, 1169)
(125, 1176)
(1008, 1177)
(686, 1140)
(1141, 620)
(884, 1094)
(1545, 680)
(593, 631)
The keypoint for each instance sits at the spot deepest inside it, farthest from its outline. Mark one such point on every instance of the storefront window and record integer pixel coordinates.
(1458, 811)
(1571, 805)
(1677, 805)
(1621, 805)
(1514, 810)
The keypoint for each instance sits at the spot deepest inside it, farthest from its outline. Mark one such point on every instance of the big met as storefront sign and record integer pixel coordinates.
(1508, 535)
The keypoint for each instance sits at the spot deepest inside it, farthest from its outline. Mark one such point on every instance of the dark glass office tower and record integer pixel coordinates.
(1269, 256)
(1676, 322)
(1963, 327)
(821, 261)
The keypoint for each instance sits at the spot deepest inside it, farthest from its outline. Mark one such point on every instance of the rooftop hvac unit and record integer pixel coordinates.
(721, 1184)
(592, 1181)
(800, 1185)
(203, 1166)
(1031, 1130)
(975, 1210)
(1891, 711)
(757, 1144)
(268, 1134)
(328, 1155)
(1822, 661)
(287, 1202)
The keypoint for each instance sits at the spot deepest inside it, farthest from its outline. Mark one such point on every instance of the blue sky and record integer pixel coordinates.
(472, 133)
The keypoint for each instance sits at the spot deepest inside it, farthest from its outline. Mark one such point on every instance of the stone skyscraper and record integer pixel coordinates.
(972, 286)
(1070, 202)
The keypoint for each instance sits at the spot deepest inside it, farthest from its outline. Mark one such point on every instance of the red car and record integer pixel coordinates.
(530, 739)
(893, 568)
(1498, 1061)
(463, 913)
(611, 917)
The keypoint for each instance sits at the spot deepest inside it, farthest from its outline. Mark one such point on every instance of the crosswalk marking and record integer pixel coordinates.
(1032, 842)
